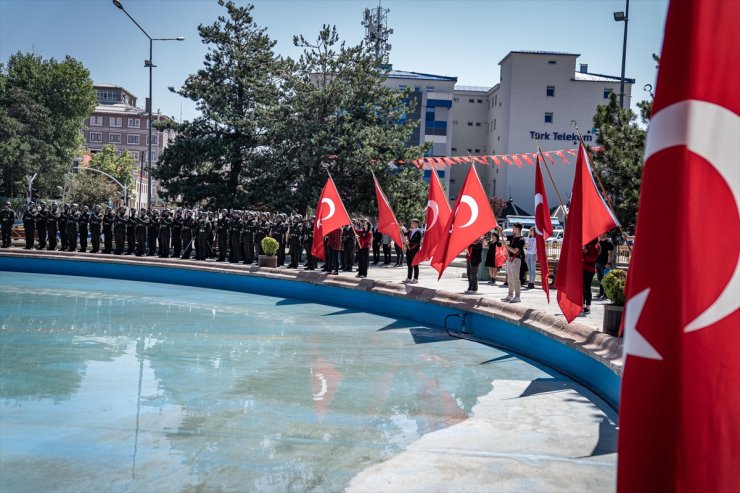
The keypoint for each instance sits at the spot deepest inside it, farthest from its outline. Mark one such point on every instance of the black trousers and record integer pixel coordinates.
(187, 239)
(376, 252)
(140, 242)
(107, 239)
(235, 252)
(41, 228)
(6, 234)
(71, 237)
(413, 271)
(51, 234)
(386, 254)
(472, 276)
(63, 236)
(120, 233)
(587, 278)
(248, 244)
(399, 255)
(164, 243)
(151, 236)
(131, 235)
(30, 229)
(95, 238)
(363, 261)
(223, 239)
(83, 237)
(176, 243)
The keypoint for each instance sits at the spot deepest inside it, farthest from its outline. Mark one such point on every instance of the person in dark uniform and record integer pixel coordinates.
(473, 260)
(108, 220)
(83, 224)
(364, 234)
(222, 235)
(399, 248)
(41, 222)
(52, 225)
(119, 230)
(72, 217)
(412, 248)
(131, 223)
(188, 228)
(165, 234)
(96, 223)
(263, 230)
(7, 218)
(348, 253)
(203, 231)
(377, 238)
(279, 230)
(29, 224)
(142, 222)
(177, 233)
(248, 229)
(152, 230)
(63, 228)
(308, 244)
(295, 240)
(211, 224)
(235, 237)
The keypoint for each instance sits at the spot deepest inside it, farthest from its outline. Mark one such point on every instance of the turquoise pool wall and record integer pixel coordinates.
(515, 338)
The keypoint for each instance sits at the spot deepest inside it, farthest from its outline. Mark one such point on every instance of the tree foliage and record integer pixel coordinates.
(271, 127)
(86, 188)
(213, 157)
(620, 165)
(118, 166)
(43, 104)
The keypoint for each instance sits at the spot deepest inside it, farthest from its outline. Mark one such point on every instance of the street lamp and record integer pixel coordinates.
(623, 17)
(150, 65)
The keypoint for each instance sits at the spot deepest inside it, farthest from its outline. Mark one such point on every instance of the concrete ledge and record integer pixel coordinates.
(602, 349)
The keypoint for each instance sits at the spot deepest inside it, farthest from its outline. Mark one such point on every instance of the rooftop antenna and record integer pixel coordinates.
(377, 31)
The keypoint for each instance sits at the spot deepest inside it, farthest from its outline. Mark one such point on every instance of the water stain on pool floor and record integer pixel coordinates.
(127, 386)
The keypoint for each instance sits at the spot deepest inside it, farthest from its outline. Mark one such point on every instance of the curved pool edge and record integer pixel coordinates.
(590, 357)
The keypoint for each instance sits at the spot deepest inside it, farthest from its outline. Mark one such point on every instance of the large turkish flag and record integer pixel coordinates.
(680, 403)
(465, 224)
(542, 227)
(387, 222)
(438, 212)
(330, 215)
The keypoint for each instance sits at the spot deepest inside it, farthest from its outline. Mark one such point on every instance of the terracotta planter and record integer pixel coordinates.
(612, 319)
(267, 261)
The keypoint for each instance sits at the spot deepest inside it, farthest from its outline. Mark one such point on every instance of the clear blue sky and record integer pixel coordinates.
(463, 38)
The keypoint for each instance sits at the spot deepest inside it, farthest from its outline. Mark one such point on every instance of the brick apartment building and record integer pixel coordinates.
(117, 120)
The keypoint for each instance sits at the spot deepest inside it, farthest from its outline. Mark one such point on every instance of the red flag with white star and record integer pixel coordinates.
(588, 217)
(542, 227)
(465, 224)
(680, 403)
(438, 212)
(330, 215)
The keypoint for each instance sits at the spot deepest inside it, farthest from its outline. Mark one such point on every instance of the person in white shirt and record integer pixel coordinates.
(530, 256)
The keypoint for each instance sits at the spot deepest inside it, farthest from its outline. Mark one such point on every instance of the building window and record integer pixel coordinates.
(96, 137)
(494, 124)
(470, 124)
(155, 139)
(552, 62)
(477, 124)
(477, 151)
(402, 87)
(115, 121)
(96, 121)
(548, 117)
(132, 139)
(134, 123)
(114, 138)
(457, 100)
(495, 100)
(454, 122)
(480, 101)
(430, 88)
(470, 100)
(135, 154)
(551, 91)
(607, 92)
(454, 149)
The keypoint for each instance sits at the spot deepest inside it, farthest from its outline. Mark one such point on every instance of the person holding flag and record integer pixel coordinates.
(437, 215)
(331, 216)
(588, 217)
(470, 219)
(542, 227)
(412, 249)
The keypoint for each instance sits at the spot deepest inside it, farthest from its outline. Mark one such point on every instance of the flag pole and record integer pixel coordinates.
(601, 186)
(544, 161)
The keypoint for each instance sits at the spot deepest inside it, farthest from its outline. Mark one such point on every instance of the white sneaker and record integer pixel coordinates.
(515, 300)
(414, 281)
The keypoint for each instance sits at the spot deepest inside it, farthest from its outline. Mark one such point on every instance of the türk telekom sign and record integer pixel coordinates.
(573, 137)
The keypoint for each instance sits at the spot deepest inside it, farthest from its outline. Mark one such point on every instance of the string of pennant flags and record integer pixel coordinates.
(518, 159)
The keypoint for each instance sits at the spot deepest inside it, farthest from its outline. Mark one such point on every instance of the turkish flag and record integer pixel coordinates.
(542, 227)
(465, 224)
(387, 222)
(330, 215)
(680, 403)
(588, 217)
(438, 212)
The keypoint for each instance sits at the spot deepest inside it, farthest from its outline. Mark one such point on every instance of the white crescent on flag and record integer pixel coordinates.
(435, 211)
(467, 199)
(537, 203)
(713, 132)
(332, 209)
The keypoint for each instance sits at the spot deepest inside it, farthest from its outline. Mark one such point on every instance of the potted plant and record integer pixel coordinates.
(269, 247)
(614, 284)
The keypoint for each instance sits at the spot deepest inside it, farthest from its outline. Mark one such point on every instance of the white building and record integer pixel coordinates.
(538, 95)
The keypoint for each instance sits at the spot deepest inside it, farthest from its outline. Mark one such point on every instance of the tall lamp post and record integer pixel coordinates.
(623, 17)
(148, 63)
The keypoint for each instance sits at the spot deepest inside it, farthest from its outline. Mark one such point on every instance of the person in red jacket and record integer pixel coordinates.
(364, 238)
(591, 252)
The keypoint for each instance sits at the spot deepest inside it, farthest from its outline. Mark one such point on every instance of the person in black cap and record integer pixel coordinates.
(41, 221)
(188, 232)
(177, 233)
(165, 233)
(83, 221)
(96, 222)
(7, 218)
(119, 230)
(73, 216)
(108, 220)
(29, 224)
(131, 232)
(52, 224)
